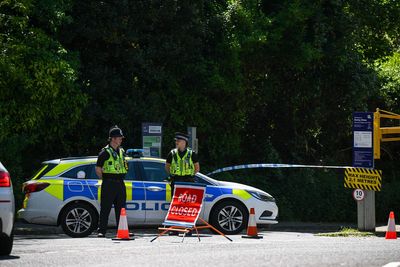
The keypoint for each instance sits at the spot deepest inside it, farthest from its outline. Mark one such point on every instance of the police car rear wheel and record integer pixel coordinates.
(229, 217)
(79, 220)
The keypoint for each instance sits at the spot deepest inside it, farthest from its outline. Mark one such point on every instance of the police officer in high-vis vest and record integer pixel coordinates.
(111, 167)
(182, 162)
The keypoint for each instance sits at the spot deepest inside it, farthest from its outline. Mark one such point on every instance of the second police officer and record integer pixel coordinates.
(182, 163)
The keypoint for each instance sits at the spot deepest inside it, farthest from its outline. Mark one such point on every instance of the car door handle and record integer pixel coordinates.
(154, 188)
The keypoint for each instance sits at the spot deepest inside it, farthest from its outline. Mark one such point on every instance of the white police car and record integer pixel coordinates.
(66, 191)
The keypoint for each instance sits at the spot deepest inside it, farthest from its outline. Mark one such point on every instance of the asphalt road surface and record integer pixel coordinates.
(277, 248)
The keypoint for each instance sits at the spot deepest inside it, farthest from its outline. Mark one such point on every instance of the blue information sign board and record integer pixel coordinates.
(363, 131)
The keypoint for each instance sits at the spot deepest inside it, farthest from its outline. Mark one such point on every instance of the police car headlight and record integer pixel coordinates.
(261, 196)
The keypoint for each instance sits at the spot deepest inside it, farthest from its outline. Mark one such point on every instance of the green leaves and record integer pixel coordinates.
(389, 72)
(39, 99)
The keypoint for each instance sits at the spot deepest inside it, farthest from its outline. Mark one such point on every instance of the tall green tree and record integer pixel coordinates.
(40, 101)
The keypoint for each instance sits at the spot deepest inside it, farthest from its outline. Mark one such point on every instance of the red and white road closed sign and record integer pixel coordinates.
(186, 205)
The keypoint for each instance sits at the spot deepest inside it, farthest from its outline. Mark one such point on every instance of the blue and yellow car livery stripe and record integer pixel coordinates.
(212, 193)
(78, 188)
(215, 192)
(241, 193)
(56, 188)
(135, 190)
(163, 195)
(156, 195)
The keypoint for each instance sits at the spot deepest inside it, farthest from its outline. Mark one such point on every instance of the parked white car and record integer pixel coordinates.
(7, 210)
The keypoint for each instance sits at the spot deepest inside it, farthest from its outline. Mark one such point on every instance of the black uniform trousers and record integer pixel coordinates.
(113, 191)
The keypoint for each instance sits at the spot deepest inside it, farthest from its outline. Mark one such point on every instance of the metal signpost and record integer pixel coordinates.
(152, 139)
(193, 141)
(363, 156)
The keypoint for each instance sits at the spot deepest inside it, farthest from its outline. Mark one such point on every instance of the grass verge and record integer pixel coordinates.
(347, 232)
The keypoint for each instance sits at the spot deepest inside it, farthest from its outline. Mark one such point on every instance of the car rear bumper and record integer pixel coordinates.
(7, 209)
(40, 208)
(36, 216)
(6, 220)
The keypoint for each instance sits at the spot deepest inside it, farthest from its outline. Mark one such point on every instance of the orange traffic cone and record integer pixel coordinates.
(123, 231)
(391, 230)
(252, 226)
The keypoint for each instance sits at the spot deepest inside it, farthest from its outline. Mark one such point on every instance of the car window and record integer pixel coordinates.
(200, 180)
(131, 175)
(81, 172)
(154, 171)
(45, 168)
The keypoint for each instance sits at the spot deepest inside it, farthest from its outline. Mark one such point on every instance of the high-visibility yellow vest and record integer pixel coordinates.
(182, 166)
(116, 163)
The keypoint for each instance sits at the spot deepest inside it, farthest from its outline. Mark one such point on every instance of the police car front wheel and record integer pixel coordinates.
(79, 220)
(229, 217)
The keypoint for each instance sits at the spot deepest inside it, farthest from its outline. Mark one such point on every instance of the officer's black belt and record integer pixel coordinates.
(113, 179)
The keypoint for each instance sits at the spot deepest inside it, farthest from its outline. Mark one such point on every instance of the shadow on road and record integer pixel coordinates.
(10, 257)
(40, 236)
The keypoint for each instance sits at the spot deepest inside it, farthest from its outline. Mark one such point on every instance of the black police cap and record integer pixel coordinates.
(115, 131)
(181, 136)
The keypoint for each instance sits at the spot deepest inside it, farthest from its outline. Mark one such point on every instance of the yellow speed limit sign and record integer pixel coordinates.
(362, 178)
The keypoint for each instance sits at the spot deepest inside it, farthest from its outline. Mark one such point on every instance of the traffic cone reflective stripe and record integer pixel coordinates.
(123, 231)
(391, 230)
(252, 226)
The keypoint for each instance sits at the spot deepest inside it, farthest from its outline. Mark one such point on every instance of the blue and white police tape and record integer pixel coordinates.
(274, 165)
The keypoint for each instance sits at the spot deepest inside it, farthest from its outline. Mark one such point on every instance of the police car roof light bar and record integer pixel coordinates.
(135, 152)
